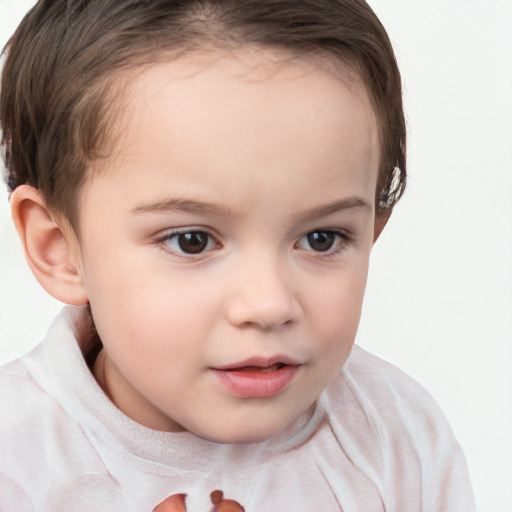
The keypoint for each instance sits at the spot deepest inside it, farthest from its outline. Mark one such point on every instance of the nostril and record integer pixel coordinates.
(265, 313)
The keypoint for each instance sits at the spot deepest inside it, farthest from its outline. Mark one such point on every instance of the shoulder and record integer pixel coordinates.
(394, 432)
(390, 405)
(384, 391)
(42, 414)
(36, 388)
(28, 410)
(24, 429)
(19, 393)
(43, 441)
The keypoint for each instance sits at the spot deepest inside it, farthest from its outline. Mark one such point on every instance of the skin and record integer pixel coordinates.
(176, 503)
(256, 151)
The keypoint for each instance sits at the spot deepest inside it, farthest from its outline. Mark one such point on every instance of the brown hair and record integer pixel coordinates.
(63, 60)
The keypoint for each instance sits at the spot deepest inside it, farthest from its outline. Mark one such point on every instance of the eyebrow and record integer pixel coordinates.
(349, 203)
(179, 205)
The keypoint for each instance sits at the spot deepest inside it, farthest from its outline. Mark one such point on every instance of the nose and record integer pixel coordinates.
(263, 295)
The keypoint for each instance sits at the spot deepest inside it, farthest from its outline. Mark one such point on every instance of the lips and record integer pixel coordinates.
(256, 378)
(258, 362)
(250, 369)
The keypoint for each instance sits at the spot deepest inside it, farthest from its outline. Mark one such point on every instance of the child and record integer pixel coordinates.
(202, 182)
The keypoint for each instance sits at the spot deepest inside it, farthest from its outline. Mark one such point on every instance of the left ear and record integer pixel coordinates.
(381, 219)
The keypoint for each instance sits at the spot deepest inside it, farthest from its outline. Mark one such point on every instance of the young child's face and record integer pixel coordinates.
(224, 246)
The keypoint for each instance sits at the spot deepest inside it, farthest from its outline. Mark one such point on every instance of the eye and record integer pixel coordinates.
(189, 242)
(323, 241)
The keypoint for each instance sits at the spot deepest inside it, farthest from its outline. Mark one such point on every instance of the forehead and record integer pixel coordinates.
(237, 113)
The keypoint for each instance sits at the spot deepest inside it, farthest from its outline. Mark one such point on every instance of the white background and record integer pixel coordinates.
(439, 299)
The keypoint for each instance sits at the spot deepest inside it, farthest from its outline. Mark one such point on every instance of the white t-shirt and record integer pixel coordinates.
(374, 441)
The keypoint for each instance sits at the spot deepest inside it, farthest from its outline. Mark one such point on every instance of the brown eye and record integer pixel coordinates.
(193, 243)
(325, 242)
(321, 241)
(189, 242)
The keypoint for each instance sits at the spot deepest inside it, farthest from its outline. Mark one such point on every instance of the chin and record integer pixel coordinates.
(246, 434)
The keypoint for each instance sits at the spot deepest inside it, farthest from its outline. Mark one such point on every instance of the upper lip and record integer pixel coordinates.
(262, 362)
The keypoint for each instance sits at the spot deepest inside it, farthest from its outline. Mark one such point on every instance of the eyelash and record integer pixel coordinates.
(341, 242)
(164, 242)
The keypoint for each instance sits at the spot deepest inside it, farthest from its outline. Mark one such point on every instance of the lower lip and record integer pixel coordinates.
(255, 384)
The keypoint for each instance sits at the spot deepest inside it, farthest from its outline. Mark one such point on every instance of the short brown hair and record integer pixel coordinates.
(63, 59)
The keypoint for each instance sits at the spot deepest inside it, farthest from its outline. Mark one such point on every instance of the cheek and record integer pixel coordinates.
(337, 300)
(337, 311)
(150, 312)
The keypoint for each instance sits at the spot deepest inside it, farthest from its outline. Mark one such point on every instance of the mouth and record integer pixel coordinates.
(261, 379)
(261, 363)
(260, 369)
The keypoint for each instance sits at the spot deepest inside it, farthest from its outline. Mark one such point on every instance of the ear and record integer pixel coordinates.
(381, 219)
(50, 244)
